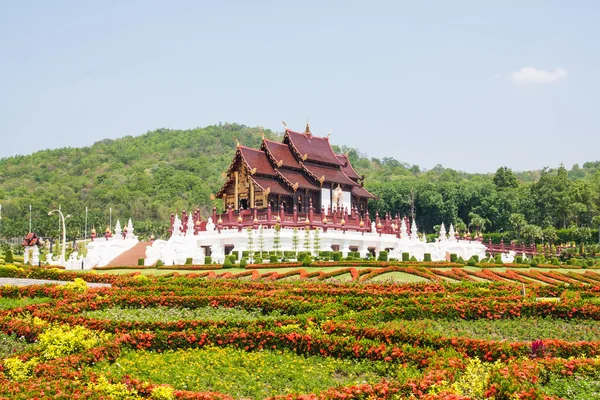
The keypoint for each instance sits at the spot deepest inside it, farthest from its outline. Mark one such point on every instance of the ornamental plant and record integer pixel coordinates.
(77, 286)
(63, 340)
(277, 239)
(295, 241)
(383, 255)
(317, 241)
(19, 370)
(250, 243)
(116, 391)
(307, 240)
(163, 393)
(8, 256)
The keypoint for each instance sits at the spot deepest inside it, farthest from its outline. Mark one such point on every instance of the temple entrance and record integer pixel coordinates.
(243, 204)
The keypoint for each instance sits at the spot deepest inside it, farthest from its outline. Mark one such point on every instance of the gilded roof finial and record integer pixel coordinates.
(237, 142)
(261, 132)
(329, 134)
(284, 125)
(307, 130)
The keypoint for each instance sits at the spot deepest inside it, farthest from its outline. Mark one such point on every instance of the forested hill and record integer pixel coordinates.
(148, 176)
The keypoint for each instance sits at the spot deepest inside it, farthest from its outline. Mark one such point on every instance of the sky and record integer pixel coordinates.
(470, 85)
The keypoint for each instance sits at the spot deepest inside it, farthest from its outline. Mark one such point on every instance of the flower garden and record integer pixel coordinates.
(289, 333)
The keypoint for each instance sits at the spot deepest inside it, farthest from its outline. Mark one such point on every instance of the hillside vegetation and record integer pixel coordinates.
(149, 176)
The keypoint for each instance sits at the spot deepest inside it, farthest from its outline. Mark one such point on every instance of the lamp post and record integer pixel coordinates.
(64, 234)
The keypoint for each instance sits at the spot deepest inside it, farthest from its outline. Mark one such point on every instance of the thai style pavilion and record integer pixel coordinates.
(300, 172)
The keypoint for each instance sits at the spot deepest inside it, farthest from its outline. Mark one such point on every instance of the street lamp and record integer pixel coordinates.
(62, 256)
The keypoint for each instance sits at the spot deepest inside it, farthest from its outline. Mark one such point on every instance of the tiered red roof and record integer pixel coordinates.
(326, 174)
(297, 178)
(302, 161)
(280, 154)
(257, 159)
(362, 192)
(312, 147)
(347, 167)
(276, 186)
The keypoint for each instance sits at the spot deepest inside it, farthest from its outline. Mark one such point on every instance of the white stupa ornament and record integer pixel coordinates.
(414, 231)
(443, 233)
(403, 229)
(190, 225)
(118, 230)
(129, 234)
(451, 233)
(176, 226)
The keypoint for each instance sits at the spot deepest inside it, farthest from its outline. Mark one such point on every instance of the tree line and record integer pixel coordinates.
(149, 176)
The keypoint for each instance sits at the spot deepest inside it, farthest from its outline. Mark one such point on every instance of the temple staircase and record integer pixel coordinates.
(131, 256)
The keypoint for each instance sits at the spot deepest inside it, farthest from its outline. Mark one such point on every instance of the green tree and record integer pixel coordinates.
(505, 179)
(477, 222)
(518, 222)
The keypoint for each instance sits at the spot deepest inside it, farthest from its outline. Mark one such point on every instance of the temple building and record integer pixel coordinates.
(300, 172)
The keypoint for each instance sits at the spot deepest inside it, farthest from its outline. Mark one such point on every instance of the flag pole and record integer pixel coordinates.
(85, 233)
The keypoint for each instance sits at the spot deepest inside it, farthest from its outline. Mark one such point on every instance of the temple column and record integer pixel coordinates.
(252, 194)
(236, 192)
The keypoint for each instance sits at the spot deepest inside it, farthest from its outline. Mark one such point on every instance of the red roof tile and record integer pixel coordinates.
(257, 159)
(275, 185)
(362, 192)
(347, 167)
(315, 148)
(281, 153)
(299, 178)
(334, 175)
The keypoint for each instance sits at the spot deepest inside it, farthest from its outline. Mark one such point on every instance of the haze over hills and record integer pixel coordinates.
(149, 176)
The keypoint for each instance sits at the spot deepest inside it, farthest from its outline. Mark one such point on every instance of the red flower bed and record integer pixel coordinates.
(351, 320)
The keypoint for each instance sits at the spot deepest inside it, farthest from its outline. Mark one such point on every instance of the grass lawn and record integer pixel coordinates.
(6, 303)
(399, 277)
(513, 330)
(154, 271)
(11, 344)
(170, 314)
(391, 276)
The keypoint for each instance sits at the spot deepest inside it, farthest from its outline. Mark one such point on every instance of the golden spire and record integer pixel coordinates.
(261, 132)
(237, 142)
(307, 130)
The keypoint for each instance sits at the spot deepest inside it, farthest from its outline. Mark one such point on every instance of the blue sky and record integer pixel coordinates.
(469, 85)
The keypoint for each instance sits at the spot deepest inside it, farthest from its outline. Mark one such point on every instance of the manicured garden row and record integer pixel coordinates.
(369, 322)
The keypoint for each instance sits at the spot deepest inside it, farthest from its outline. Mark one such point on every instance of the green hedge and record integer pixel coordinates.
(383, 255)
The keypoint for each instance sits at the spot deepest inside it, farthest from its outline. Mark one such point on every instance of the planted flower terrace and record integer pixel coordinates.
(458, 334)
